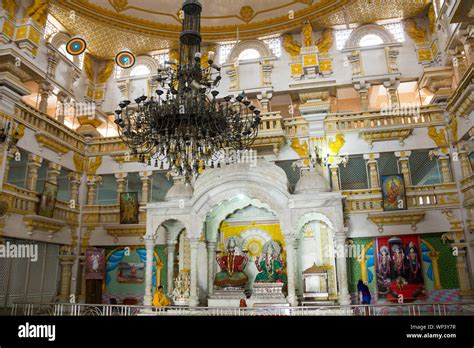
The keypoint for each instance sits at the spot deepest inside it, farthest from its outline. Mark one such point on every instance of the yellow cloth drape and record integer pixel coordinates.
(160, 300)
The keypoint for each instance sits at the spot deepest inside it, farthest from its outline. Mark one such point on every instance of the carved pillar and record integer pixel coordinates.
(92, 181)
(373, 172)
(363, 90)
(392, 91)
(54, 170)
(10, 157)
(335, 177)
(194, 300)
(341, 271)
(66, 262)
(45, 89)
(403, 160)
(266, 68)
(74, 184)
(61, 109)
(149, 245)
(82, 264)
(145, 177)
(121, 179)
(434, 255)
(466, 168)
(264, 98)
(170, 246)
(52, 62)
(445, 168)
(461, 267)
(211, 261)
(34, 162)
(290, 270)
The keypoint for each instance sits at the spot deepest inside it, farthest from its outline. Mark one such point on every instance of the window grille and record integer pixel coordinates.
(64, 193)
(160, 184)
(292, 173)
(224, 51)
(354, 174)
(134, 184)
(424, 171)
(18, 169)
(42, 176)
(387, 163)
(396, 29)
(107, 190)
(274, 43)
(341, 37)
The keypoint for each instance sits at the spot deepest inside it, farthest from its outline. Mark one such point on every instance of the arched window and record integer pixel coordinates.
(140, 70)
(249, 53)
(370, 40)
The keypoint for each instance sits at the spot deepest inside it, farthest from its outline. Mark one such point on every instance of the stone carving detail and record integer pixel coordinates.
(182, 288)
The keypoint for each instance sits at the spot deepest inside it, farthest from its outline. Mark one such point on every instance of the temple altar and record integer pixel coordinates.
(247, 235)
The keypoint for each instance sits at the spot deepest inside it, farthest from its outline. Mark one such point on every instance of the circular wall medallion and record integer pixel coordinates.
(125, 59)
(76, 46)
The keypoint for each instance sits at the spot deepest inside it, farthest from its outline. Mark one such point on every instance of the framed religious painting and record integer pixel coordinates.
(48, 200)
(131, 272)
(95, 263)
(399, 269)
(393, 192)
(129, 208)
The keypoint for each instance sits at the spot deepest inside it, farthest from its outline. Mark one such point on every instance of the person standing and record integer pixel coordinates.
(364, 292)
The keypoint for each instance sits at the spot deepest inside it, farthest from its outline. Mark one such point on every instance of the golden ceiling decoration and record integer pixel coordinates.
(366, 11)
(105, 41)
(110, 26)
(247, 13)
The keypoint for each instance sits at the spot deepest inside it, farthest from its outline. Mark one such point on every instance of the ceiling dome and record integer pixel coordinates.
(311, 182)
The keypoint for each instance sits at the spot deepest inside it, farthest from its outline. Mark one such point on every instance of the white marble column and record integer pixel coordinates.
(290, 270)
(194, 300)
(149, 245)
(211, 261)
(171, 246)
(341, 271)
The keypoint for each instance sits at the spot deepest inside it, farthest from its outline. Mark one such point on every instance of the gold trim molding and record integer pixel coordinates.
(397, 218)
(44, 224)
(382, 135)
(132, 230)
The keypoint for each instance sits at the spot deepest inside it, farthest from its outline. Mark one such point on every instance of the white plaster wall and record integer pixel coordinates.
(15, 228)
(434, 221)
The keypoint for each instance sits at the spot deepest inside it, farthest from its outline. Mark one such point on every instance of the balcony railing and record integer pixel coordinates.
(25, 202)
(38, 121)
(423, 196)
(367, 120)
(412, 309)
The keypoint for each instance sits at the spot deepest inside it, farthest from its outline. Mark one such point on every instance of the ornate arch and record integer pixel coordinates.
(145, 60)
(62, 38)
(257, 45)
(366, 29)
(222, 210)
(309, 217)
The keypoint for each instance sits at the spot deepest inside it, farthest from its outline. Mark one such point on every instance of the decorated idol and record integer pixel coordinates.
(270, 264)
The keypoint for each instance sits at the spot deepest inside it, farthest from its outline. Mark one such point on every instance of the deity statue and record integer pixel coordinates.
(182, 286)
(270, 264)
(384, 264)
(308, 34)
(398, 258)
(232, 267)
(326, 41)
(413, 263)
(290, 45)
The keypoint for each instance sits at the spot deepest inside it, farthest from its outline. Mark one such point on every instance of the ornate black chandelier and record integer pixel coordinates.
(185, 126)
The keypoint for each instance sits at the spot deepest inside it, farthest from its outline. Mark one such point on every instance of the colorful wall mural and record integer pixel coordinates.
(125, 273)
(419, 267)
